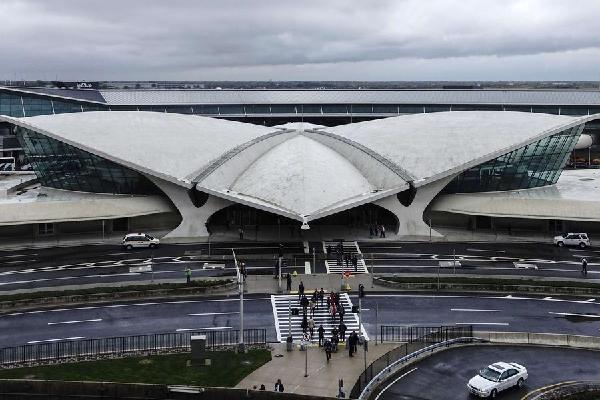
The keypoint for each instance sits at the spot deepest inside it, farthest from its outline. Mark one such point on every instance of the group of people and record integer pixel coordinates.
(331, 345)
(377, 231)
(343, 257)
(278, 387)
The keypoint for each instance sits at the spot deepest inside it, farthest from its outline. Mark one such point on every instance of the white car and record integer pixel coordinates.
(497, 377)
(132, 240)
(572, 239)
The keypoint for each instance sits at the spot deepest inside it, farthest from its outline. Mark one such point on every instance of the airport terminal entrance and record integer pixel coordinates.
(258, 224)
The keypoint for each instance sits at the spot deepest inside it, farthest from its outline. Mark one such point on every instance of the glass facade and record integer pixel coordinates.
(19, 106)
(536, 164)
(63, 166)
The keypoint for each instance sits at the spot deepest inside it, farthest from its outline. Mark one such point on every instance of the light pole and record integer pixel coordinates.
(240, 277)
(314, 266)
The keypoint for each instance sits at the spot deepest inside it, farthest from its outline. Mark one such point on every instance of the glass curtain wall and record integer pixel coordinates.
(534, 165)
(63, 166)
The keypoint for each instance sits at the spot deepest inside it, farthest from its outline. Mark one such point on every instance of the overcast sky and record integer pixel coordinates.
(300, 40)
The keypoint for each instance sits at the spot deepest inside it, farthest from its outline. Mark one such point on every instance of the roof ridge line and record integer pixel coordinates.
(392, 166)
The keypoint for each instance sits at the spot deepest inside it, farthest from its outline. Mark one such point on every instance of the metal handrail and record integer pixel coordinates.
(391, 369)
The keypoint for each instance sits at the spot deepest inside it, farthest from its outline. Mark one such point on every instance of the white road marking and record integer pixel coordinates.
(472, 310)
(566, 314)
(483, 323)
(145, 304)
(394, 381)
(75, 321)
(56, 340)
(214, 313)
(203, 329)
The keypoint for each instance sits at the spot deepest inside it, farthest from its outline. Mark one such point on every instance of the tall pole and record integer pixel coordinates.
(430, 229)
(240, 277)
(372, 272)
(454, 260)
(279, 275)
(314, 266)
(289, 317)
(359, 315)
(376, 321)
(306, 360)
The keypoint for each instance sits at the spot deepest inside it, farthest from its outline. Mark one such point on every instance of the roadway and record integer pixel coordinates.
(488, 313)
(452, 369)
(55, 267)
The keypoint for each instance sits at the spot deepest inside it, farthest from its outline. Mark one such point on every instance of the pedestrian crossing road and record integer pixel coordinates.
(331, 263)
(282, 304)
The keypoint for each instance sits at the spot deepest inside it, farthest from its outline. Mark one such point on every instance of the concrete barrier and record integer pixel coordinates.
(541, 339)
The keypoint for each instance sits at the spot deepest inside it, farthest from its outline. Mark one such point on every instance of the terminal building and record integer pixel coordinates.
(192, 176)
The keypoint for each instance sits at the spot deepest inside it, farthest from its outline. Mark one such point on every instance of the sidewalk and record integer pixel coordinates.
(322, 377)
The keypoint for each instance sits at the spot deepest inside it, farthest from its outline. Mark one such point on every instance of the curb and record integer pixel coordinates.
(100, 297)
(561, 390)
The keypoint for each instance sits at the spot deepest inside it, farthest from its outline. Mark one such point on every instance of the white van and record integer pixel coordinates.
(132, 240)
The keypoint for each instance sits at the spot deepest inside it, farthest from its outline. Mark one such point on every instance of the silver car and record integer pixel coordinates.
(572, 239)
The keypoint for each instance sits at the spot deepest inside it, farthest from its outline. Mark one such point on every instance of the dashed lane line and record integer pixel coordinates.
(472, 310)
(56, 340)
(75, 321)
(211, 328)
(213, 313)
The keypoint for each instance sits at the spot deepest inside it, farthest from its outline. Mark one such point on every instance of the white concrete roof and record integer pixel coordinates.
(170, 146)
(431, 146)
(575, 197)
(301, 171)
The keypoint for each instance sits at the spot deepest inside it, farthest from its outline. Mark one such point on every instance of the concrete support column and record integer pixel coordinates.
(193, 219)
(410, 219)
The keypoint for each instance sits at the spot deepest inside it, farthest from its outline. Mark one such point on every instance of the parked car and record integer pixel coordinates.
(572, 239)
(132, 240)
(497, 377)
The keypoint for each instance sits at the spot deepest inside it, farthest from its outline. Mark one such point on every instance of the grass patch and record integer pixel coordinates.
(113, 289)
(228, 369)
(493, 281)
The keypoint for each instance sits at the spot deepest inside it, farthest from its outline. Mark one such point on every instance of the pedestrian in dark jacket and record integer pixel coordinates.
(328, 350)
(584, 266)
(279, 386)
(289, 282)
(300, 290)
(321, 296)
(321, 332)
(304, 324)
(355, 262)
(343, 328)
(304, 304)
(351, 344)
(341, 312)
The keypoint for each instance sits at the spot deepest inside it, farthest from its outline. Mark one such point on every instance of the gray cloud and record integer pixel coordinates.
(254, 39)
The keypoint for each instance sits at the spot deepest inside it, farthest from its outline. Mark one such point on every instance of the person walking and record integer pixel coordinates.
(370, 231)
(188, 275)
(304, 304)
(311, 327)
(343, 329)
(300, 290)
(304, 324)
(321, 296)
(584, 266)
(321, 332)
(376, 230)
(241, 233)
(279, 386)
(328, 350)
(288, 280)
(341, 312)
(382, 229)
(312, 305)
(355, 262)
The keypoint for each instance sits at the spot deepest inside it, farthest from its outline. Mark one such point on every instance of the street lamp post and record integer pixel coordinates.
(240, 277)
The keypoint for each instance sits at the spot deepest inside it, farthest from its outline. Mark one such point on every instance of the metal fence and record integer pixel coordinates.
(423, 334)
(124, 345)
(416, 338)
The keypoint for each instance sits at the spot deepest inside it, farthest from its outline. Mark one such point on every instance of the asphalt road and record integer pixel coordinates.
(487, 313)
(449, 371)
(53, 267)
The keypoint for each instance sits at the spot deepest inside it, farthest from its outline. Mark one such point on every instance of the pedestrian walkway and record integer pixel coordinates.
(284, 324)
(349, 247)
(322, 379)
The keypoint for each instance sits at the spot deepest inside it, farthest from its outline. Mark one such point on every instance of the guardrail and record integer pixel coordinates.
(415, 338)
(122, 345)
(391, 369)
(424, 334)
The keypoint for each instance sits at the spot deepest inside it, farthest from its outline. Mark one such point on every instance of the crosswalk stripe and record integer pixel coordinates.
(282, 303)
(349, 247)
